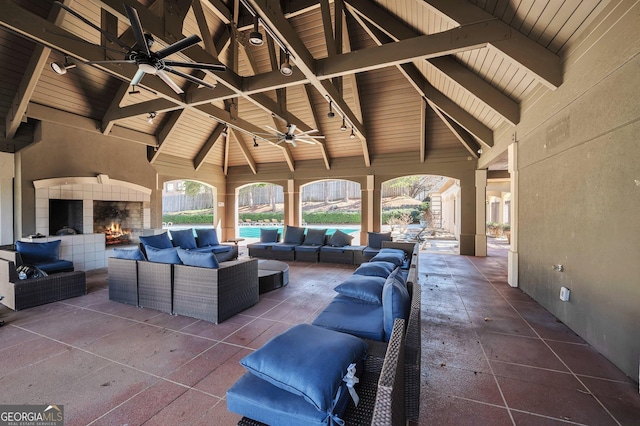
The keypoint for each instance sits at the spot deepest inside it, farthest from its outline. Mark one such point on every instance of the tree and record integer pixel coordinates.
(191, 188)
(413, 186)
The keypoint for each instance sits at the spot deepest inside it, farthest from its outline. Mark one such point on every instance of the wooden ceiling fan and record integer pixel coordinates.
(292, 138)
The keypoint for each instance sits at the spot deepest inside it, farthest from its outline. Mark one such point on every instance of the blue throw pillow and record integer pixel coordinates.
(363, 287)
(207, 237)
(166, 255)
(200, 259)
(38, 252)
(375, 239)
(395, 258)
(268, 235)
(293, 235)
(307, 360)
(376, 269)
(396, 302)
(130, 254)
(315, 237)
(184, 239)
(158, 241)
(340, 239)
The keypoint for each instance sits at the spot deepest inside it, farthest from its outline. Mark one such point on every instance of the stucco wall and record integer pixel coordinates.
(68, 152)
(579, 192)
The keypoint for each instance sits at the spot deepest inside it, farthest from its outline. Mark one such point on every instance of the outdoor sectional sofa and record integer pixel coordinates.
(313, 245)
(312, 387)
(191, 282)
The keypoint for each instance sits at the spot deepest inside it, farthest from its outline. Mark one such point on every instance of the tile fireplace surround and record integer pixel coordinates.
(87, 250)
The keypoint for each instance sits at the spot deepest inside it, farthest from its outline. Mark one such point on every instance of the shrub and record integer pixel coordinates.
(188, 218)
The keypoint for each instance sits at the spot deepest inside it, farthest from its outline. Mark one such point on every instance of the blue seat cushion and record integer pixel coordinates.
(364, 287)
(53, 266)
(358, 319)
(308, 361)
(340, 239)
(38, 252)
(375, 239)
(184, 239)
(393, 257)
(207, 237)
(293, 235)
(376, 269)
(157, 241)
(166, 255)
(308, 249)
(284, 246)
(314, 237)
(332, 249)
(368, 251)
(200, 259)
(263, 246)
(259, 400)
(396, 302)
(130, 254)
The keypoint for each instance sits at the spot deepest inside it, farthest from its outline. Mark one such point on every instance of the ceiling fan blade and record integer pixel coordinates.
(196, 65)
(110, 36)
(279, 142)
(169, 82)
(309, 141)
(115, 61)
(136, 27)
(178, 46)
(291, 128)
(279, 134)
(137, 77)
(189, 77)
(308, 132)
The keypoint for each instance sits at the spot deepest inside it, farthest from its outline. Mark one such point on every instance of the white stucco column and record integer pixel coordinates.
(481, 209)
(512, 269)
(7, 172)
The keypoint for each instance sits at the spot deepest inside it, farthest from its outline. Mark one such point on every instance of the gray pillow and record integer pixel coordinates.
(268, 235)
(293, 235)
(375, 239)
(340, 239)
(315, 237)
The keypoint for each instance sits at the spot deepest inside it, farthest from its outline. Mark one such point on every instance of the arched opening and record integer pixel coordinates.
(332, 204)
(422, 209)
(188, 203)
(260, 206)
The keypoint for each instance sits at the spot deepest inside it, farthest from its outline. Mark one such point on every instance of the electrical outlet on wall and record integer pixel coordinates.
(564, 294)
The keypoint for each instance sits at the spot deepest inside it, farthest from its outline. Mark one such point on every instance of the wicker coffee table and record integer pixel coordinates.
(272, 274)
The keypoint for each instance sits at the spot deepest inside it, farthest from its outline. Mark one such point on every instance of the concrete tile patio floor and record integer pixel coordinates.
(114, 364)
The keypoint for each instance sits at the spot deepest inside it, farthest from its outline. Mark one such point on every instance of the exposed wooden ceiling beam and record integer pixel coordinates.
(207, 39)
(546, 65)
(30, 78)
(397, 30)
(245, 151)
(463, 136)
(168, 129)
(316, 122)
(198, 161)
(273, 17)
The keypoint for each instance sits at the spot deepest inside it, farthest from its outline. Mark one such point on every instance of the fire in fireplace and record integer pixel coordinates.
(120, 221)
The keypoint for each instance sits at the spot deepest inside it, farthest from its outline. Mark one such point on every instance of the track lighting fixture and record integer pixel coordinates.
(61, 68)
(225, 131)
(255, 142)
(331, 114)
(255, 38)
(352, 135)
(285, 67)
(343, 128)
(151, 116)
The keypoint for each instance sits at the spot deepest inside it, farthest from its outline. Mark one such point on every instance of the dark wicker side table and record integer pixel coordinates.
(272, 274)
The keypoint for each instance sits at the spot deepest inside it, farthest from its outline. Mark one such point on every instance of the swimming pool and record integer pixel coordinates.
(254, 231)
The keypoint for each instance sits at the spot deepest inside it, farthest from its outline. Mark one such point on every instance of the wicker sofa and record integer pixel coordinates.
(204, 293)
(21, 294)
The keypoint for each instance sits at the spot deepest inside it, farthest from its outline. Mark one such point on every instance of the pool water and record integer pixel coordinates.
(254, 231)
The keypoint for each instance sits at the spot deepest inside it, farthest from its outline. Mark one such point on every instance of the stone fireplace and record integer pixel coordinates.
(103, 212)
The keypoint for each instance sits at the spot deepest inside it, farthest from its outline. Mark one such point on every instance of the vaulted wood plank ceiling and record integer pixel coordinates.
(405, 75)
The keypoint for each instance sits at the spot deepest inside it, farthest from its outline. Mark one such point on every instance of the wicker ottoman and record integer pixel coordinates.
(272, 274)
